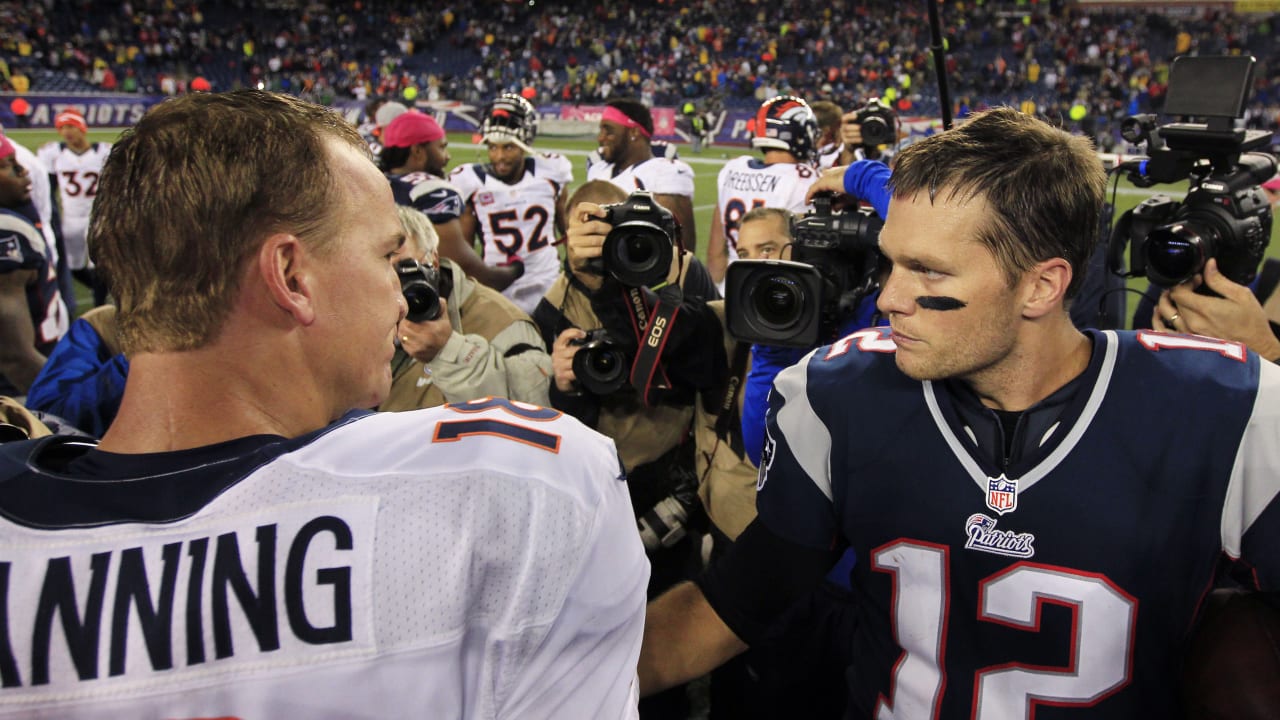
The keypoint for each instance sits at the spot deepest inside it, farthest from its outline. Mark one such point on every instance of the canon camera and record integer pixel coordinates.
(638, 250)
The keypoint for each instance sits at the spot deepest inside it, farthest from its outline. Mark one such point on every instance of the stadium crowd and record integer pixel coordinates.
(714, 52)
(553, 374)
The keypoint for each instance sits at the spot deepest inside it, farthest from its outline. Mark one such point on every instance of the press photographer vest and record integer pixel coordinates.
(727, 479)
(641, 434)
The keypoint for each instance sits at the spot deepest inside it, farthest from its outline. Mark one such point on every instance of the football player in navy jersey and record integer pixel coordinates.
(415, 153)
(242, 544)
(32, 314)
(1037, 512)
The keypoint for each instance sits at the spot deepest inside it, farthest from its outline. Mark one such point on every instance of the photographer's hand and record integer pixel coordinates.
(423, 341)
(830, 181)
(562, 352)
(1237, 315)
(851, 132)
(586, 241)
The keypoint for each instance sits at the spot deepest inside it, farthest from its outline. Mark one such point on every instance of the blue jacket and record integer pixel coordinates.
(81, 381)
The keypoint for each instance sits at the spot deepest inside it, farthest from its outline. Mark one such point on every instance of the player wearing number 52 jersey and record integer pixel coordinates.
(515, 202)
(77, 164)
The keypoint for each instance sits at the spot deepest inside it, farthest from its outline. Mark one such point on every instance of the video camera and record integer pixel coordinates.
(1225, 214)
(638, 250)
(834, 262)
(421, 286)
(879, 124)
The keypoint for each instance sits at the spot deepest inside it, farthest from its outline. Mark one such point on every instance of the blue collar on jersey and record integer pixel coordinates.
(61, 483)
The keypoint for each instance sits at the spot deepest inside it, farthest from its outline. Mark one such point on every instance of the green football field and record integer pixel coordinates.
(705, 166)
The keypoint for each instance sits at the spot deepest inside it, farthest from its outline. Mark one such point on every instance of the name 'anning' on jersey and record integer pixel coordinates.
(482, 562)
(1066, 584)
(519, 219)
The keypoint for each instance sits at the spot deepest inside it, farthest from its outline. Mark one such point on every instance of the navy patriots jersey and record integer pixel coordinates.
(1061, 588)
(434, 196)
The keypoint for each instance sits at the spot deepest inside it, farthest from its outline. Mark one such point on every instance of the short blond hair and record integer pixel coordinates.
(189, 194)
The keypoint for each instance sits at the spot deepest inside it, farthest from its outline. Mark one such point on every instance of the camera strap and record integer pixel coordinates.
(647, 374)
(728, 418)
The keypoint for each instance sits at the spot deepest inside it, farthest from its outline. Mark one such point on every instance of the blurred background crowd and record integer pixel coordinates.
(1044, 56)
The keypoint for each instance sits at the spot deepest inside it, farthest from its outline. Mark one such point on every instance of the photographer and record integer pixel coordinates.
(771, 238)
(650, 429)
(868, 133)
(480, 344)
(1249, 315)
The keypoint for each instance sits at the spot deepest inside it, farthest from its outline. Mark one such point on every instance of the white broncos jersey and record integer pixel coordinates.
(746, 183)
(519, 219)
(77, 175)
(477, 560)
(660, 176)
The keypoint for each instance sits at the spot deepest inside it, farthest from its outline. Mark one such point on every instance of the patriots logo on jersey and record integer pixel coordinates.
(451, 206)
(11, 248)
(1002, 494)
(984, 536)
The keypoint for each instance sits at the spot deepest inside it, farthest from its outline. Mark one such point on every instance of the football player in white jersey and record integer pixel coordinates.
(241, 544)
(77, 164)
(628, 161)
(786, 130)
(515, 202)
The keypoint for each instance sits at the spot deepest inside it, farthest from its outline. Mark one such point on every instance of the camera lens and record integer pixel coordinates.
(778, 301)
(638, 254)
(600, 367)
(423, 302)
(1177, 252)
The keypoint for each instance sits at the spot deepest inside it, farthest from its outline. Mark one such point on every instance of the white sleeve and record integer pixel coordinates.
(1255, 477)
(586, 665)
(466, 181)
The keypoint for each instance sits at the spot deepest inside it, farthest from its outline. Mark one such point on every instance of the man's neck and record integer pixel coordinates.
(635, 157)
(81, 148)
(776, 157)
(1033, 370)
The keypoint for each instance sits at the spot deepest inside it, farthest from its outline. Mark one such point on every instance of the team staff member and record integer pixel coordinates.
(480, 346)
(627, 160)
(240, 544)
(1002, 459)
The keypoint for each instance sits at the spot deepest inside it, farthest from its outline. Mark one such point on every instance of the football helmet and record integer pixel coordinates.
(787, 123)
(510, 119)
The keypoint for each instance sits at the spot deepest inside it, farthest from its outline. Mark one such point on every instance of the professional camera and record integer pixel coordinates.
(421, 287)
(601, 366)
(802, 301)
(1225, 214)
(878, 123)
(638, 250)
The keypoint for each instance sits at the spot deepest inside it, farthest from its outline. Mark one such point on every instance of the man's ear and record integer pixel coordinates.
(1046, 287)
(284, 265)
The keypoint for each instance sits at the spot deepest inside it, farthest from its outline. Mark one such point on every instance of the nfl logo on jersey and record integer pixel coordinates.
(1002, 494)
